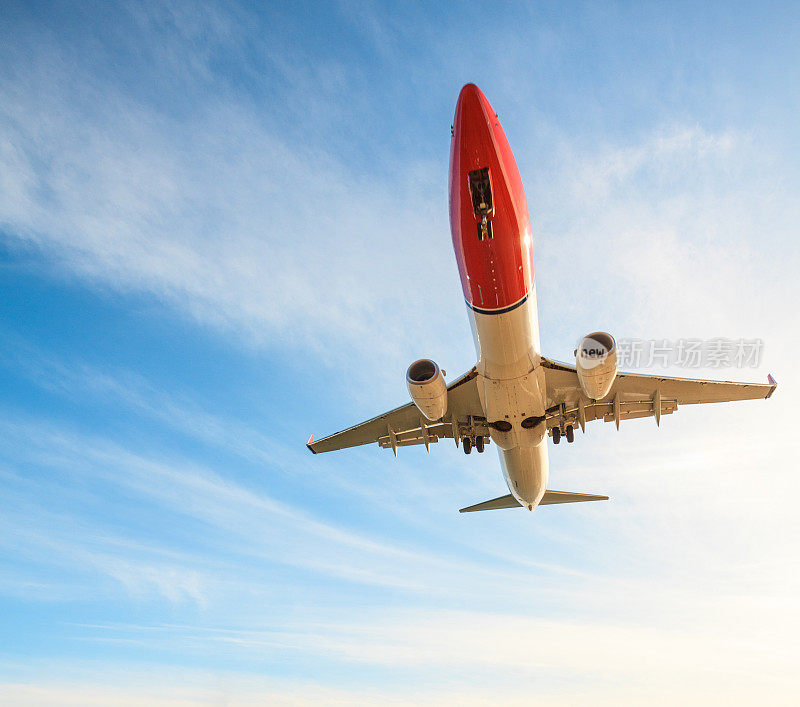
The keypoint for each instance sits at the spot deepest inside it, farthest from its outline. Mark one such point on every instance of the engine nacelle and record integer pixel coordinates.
(596, 362)
(427, 388)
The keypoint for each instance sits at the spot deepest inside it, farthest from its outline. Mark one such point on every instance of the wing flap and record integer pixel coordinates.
(434, 431)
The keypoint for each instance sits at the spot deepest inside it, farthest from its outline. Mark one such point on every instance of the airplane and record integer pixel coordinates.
(515, 397)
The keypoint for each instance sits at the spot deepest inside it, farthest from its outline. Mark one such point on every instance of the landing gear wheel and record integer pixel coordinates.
(556, 435)
(570, 434)
(467, 445)
(479, 444)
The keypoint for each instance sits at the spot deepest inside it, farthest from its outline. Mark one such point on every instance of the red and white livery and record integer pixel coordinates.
(514, 396)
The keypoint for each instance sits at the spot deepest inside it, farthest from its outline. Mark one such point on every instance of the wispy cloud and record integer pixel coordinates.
(463, 654)
(217, 214)
(250, 525)
(673, 233)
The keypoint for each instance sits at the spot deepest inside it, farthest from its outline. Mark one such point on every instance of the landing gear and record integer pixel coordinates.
(556, 435)
(479, 444)
(570, 434)
(467, 442)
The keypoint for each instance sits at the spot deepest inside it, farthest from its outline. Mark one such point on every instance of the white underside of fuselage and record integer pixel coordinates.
(511, 385)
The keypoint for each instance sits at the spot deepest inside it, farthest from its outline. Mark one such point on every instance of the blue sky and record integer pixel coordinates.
(223, 228)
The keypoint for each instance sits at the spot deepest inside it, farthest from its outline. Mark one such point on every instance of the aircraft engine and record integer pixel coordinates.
(427, 388)
(596, 362)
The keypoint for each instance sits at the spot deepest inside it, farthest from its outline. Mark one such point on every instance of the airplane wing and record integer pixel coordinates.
(406, 425)
(636, 395)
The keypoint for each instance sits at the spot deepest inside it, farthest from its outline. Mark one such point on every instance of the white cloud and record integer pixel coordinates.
(221, 218)
(483, 657)
(248, 525)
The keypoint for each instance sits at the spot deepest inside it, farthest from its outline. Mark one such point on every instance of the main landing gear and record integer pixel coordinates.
(467, 444)
(569, 432)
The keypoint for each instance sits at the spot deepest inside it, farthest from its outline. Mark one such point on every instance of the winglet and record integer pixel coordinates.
(310, 442)
(773, 383)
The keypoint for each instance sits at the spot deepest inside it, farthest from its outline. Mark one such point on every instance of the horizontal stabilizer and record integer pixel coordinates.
(549, 498)
(503, 502)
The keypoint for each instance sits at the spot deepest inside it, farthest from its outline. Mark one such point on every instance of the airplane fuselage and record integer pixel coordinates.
(493, 245)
